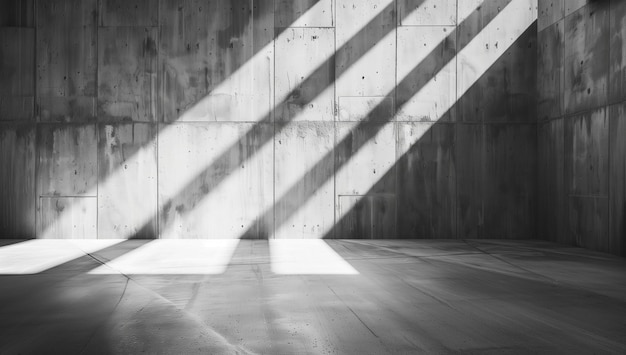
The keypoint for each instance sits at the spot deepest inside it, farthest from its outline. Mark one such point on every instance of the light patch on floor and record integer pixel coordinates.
(34, 256)
(307, 257)
(174, 257)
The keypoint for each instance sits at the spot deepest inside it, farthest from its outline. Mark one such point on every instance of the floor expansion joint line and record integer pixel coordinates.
(356, 315)
(511, 264)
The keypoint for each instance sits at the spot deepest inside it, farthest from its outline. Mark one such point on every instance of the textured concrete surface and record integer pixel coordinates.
(617, 52)
(304, 13)
(224, 200)
(581, 146)
(549, 12)
(17, 91)
(66, 60)
(617, 179)
(132, 190)
(66, 159)
(586, 58)
(427, 47)
(251, 297)
(508, 181)
(551, 192)
(298, 53)
(550, 78)
(128, 13)
(304, 199)
(254, 109)
(18, 13)
(426, 12)
(427, 179)
(17, 159)
(370, 74)
(127, 74)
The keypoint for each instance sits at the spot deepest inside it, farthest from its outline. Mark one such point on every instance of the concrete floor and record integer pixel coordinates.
(377, 297)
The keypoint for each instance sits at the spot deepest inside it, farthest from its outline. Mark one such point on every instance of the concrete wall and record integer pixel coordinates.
(268, 118)
(582, 124)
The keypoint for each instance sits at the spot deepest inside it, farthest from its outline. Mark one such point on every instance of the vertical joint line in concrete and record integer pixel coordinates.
(334, 229)
(36, 124)
(608, 118)
(160, 120)
(395, 123)
(273, 119)
(98, 6)
(455, 123)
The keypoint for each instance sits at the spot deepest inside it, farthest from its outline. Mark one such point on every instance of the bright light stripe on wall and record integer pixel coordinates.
(34, 256)
(252, 95)
(232, 206)
(360, 77)
(490, 44)
(307, 257)
(174, 257)
(516, 17)
(315, 16)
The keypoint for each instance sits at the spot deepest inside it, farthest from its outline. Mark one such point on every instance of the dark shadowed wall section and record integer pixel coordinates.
(582, 123)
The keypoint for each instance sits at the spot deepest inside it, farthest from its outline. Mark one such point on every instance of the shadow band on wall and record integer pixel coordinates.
(258, 136)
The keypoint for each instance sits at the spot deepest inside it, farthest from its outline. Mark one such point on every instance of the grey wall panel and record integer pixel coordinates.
(426, 13)
(201, 199)
(365, 108)
(368, 217)
(127, 74)
(308, 92)
(549, 12)
(304, 13)
(304, 199)
(433, 90)
(470, 162)
(509, 181)
(427, 181)
(188, 54)
(17, 178)
(503, 92)
(364, 64)
(67, 217)
(66, 58)
(617, 176)
(17, 13)
(617, 52)
(586, 58)
(17, 81)
(583, 205)
(587, 153)
(205, 50)
(127, 174)
(572, 6)
(363, 154)
(589, 222)
(128, 13)
(66, 160)
(552, 190)
(550, 72)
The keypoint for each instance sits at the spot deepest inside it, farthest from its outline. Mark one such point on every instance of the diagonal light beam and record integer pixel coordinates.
(320, 174)
(412, 140)
(138, 208)
(324, 169)
(134, 205)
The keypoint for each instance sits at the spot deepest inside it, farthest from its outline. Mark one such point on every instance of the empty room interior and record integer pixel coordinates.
(313, 177)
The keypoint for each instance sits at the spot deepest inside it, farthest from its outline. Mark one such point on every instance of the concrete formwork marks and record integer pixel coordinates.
(66, 60)
(17, 176)
(17, 91)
